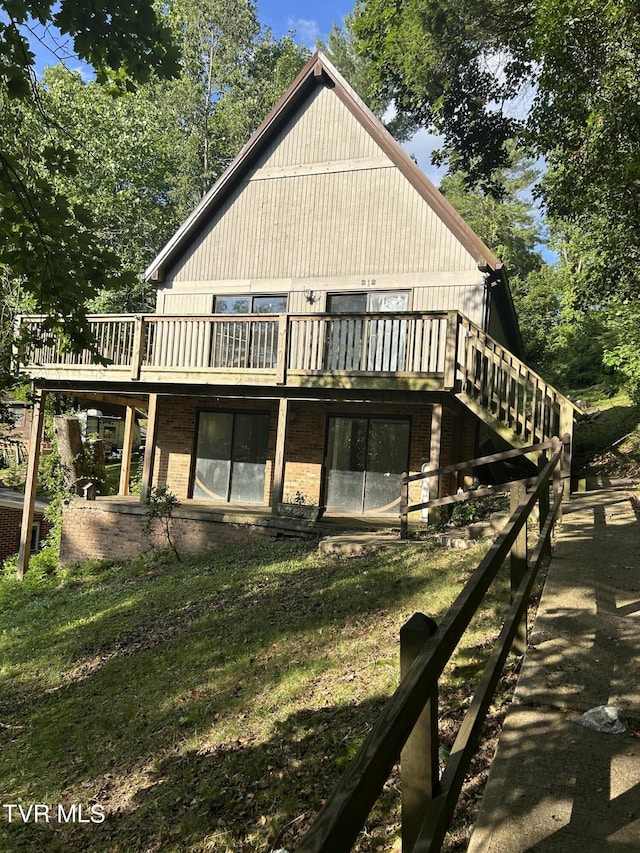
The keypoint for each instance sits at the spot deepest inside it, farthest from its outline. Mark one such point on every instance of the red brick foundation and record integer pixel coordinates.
(110, 529)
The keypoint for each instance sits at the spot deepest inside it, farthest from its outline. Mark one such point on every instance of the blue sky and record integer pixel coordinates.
(314, 22)
(308, 22)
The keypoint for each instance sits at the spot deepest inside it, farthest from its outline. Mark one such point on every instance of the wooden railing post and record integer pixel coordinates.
(543, 502)
(518, 561)
(419, 757)
(566, 460)
(138, 346)
(404, 503)
(451, 351)
(283, 324)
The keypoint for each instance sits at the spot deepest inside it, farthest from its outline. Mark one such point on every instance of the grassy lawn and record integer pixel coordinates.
(210, 705)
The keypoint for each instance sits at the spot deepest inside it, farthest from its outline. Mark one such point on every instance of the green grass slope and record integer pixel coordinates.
(209, 705)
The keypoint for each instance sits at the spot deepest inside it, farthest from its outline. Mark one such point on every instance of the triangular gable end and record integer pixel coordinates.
(322, 134)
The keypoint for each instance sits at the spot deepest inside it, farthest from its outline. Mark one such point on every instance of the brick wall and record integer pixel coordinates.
(306, 437)
(111, 530)
(306, 431)
(459, 443)
(10, 523)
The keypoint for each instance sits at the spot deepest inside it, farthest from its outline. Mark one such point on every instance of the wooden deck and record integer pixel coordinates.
(408, 352)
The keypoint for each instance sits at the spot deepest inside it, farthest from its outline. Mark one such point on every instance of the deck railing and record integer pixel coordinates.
(371, 343)
(444, 347)
(503, 385)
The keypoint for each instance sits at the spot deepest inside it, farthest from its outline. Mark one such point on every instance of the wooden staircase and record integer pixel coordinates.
(498, 387)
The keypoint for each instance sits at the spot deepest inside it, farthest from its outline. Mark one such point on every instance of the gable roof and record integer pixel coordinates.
(318, 71)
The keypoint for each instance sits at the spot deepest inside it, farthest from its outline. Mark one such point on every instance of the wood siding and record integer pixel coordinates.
(325, 205)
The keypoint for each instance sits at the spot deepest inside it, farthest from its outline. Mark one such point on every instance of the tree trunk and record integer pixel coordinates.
(69, 441)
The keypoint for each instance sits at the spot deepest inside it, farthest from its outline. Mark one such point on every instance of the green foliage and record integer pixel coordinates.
(160, 508)
(14, 475)
(131, 168)
(464, 513)
(562, 341)
(48, 246)
(124, 42)
(126, 152)
(624, 353)
(43, 564)
(562, 79)
(508, 225)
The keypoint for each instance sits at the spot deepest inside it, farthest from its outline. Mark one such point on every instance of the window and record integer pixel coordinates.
(247, 343)
(363, 343)
(273, 304)
(231, 456)
(35, 536)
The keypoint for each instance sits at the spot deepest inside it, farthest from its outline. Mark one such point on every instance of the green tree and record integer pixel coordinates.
(127, 154)
(233, 72)
(509, 225)
(562, 78)
(47, 240)
(358, 70)
(137, 164)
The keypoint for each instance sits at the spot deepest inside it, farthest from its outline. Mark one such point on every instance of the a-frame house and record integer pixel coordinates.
(325, 321)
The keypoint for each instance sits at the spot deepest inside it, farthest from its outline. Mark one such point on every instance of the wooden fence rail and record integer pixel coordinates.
(469, 465)
(410, 714)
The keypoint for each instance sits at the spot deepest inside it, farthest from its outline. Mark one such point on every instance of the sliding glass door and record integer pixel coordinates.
(231, 456)
(365, 459)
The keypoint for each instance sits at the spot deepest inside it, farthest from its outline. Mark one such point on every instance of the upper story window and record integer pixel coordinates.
(366, 343)
(270, 304)
(388, 301)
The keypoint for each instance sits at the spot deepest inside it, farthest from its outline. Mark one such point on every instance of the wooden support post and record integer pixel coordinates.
(127, 450)
(519, 565)
(543, 502)
(279, 461)
(149, 449)
(431, 490)
(419, 758)
(35, 444)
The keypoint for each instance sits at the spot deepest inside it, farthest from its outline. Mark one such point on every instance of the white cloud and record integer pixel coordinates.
(85, 71)
(307, 31)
